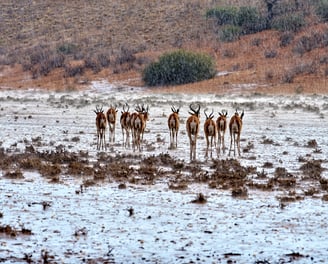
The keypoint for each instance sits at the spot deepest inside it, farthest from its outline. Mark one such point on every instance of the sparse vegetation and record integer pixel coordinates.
(48, 51)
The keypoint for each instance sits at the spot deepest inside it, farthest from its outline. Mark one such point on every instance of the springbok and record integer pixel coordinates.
(111, 119)
(173, 124)
(101, 128)
(221, 124)
(210, 132)
(235, 126)
(192, 126)
(138, 122)
(125, 125)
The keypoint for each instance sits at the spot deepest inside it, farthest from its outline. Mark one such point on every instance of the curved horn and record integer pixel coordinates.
(205, 113)
(198, 109)
(138, 108)
(242, 115)
(195, 111)
(98, 110)
(211, 114)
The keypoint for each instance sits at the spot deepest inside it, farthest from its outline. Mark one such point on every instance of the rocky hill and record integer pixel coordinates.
(66, 44)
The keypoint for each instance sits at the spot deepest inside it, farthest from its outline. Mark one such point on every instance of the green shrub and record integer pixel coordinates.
(250, 20)
(224, 15)
(322, 10)
(247, 18)
(179, 67)
(288, 22)
(229, 33)
(67, 48)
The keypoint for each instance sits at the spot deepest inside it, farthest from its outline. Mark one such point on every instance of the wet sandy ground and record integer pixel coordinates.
(64, 201)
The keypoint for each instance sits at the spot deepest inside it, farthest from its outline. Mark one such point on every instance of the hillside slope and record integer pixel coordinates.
(142, 30)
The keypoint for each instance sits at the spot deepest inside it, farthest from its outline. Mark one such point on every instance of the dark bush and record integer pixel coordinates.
(250, 20)
(41, 60)
(308, 43)
(74, 68)
(286, 38)
(247, 18)
(103, 60)
(229, 33)
(322, 10)
(67, 48)
(92, 63)
(224, 15)
(125, 55)
(284, 7)
(288, 22)
(270, 54)
(179, 67)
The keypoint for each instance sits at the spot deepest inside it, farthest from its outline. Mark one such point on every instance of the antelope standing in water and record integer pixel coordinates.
(111, 119)
(101, 128)
(125, 125)
(210, 132)
(192, 126)
(173, 124)
(138, 123)
(235, 126)
(221, 124)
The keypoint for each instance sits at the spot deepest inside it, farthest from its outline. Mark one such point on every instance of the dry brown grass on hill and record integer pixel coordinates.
(147, 29)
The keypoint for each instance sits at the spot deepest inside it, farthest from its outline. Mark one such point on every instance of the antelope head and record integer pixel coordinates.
(98, 110)
(224, 113)
(210, 116)
(175, 110)
(194, 111)
(241, 115)
(126, 108)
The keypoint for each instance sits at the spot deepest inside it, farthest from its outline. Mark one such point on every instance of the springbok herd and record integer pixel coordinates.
(135, 123)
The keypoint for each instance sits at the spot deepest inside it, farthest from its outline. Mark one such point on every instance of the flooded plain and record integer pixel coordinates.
(62, 201)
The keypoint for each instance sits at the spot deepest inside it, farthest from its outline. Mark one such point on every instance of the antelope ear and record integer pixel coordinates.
(242, 115)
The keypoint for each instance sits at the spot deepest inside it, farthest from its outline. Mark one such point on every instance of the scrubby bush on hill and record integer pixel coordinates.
(281, 15)
(224, 15)
(245, 20)
(288, 22)
(229, 33)
(179, 67)
(250, 20)
(322, 10)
